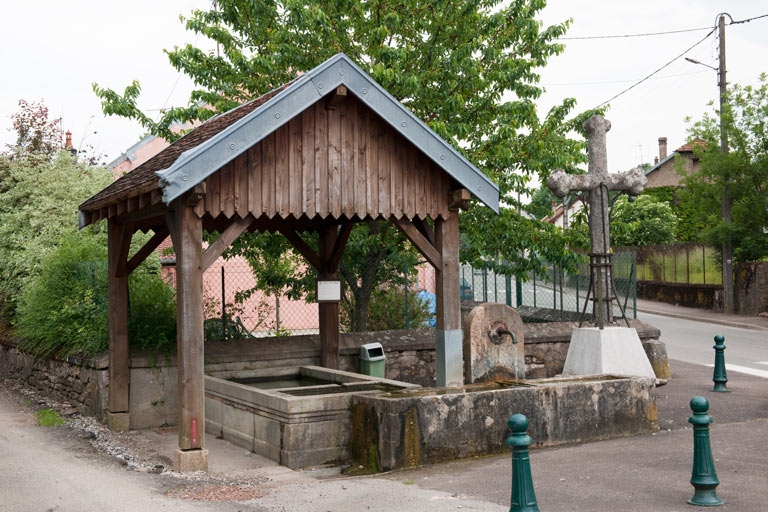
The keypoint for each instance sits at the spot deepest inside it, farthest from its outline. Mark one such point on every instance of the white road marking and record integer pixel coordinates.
(744, 369)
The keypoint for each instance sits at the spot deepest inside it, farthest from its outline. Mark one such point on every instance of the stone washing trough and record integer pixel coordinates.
(308, 416)
(296, 416)
(408, 428)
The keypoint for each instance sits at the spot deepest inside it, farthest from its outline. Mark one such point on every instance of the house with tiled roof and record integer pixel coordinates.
(664, 171)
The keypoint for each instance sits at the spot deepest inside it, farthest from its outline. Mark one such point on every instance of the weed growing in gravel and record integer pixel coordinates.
(49, 418)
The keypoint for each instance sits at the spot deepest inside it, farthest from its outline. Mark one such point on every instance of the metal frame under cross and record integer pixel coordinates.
(599, 182)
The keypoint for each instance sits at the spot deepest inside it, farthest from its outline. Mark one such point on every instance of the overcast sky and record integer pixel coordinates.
(54, 50)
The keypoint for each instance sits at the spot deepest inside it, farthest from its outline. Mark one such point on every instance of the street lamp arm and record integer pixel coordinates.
(694, 61)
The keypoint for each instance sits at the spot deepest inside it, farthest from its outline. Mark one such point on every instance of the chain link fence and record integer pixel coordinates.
(234, 310)
(555, 290)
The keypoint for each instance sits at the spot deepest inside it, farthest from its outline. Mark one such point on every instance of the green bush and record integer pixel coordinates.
(387, 310)
(64, 309)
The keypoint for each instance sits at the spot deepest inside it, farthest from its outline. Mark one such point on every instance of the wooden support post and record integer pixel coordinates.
(118, 242)
(328, 311)
(188, 245)
(449, 362)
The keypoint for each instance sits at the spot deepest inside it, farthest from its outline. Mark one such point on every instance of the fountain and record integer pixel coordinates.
(297, 416)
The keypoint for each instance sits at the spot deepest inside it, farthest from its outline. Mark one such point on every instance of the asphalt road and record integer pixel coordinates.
(692, 341)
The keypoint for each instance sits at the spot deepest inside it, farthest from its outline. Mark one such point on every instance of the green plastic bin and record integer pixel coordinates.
(372, 360)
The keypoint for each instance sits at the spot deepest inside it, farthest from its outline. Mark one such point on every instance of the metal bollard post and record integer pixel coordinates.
(523, 495)
(703, 476)
(719, 377)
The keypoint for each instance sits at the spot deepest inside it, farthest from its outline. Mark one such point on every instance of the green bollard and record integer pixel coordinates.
(703, 476)
(523, 495)
(719, 377)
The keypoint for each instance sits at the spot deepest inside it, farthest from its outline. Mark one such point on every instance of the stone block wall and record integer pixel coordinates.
(82, 383)
(701, 296)
(752, 288)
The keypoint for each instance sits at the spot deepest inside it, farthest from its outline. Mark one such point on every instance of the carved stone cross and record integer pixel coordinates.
(599, 182)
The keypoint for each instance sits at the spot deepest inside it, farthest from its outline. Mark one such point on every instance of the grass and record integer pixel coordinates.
(49, 418)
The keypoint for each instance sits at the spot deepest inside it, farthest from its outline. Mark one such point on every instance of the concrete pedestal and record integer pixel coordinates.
(608, 351)
(187, 461)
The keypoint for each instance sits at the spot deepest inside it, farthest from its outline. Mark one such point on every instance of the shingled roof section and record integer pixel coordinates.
(143, 178)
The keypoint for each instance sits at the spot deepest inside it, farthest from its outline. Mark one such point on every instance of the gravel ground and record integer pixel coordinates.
(134, 453)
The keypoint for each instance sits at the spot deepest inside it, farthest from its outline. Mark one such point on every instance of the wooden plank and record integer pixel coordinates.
(382, 151)
(348, 114)
(447, 275)
(117, 289)
(409, 188)
(147, 249)
(321, 159)
(424, 246)
(328, 312)
(240, 182)
(217, 248)
(334, 258)
(227, 179)
(303, 248)
(212, 198)
(268, 173)
(334, 162)
(308, 161)
(296, 186)
(282, 171)
(361, 167)
(189, 327)
(255, 179)
(372, 166)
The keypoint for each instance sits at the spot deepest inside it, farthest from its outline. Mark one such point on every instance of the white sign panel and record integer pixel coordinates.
(329, 291)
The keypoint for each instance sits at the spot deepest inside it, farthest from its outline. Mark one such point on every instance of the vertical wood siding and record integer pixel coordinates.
(344, 161)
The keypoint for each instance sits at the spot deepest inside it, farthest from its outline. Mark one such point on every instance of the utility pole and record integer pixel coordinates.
(728, 294)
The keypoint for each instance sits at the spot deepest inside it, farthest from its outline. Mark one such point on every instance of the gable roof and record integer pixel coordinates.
(204, 150)
(688, 147)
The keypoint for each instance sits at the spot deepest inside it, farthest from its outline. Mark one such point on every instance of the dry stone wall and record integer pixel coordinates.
(81, 383)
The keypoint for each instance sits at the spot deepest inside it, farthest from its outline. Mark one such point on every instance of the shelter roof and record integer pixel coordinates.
(205, 149)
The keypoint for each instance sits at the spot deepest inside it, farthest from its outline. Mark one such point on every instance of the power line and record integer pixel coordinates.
(748, 19)
(648, 34)
(644, 34)
(662, 67)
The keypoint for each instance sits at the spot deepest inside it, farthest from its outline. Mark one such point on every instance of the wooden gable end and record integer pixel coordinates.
(343, 161)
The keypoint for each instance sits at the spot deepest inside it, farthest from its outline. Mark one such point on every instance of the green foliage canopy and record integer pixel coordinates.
(64, 309)
(646, 221)
(39, 196)
(743, 172)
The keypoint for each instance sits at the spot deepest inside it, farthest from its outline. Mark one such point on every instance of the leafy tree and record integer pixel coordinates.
(63, 310)
(39, 196)
(646, 221)
(743, 170)
(35, 133)
(467, 68)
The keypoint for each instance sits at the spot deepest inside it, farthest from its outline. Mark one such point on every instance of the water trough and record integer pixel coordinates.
(297, 416)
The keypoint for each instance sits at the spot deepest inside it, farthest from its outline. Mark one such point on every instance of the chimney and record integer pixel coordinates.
(662, 148)
(68, 141)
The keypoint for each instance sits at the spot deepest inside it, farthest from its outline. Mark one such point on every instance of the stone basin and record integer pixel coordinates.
(413, 427)
(297, 416)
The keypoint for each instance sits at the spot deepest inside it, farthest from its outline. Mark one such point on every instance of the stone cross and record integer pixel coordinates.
(599, 182)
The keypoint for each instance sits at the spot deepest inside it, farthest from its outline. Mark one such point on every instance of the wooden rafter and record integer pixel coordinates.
(422, 243)
(235, 229)
(160, 235)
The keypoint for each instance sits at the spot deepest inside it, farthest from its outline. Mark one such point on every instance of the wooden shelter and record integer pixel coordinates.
(325, 151)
